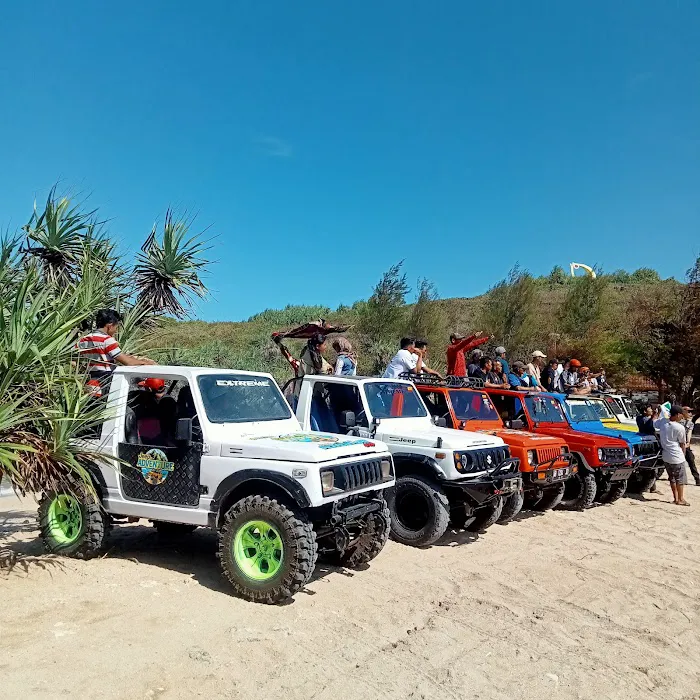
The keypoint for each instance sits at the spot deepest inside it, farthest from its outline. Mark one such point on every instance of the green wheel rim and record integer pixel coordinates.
(65, 519)
(258, 550)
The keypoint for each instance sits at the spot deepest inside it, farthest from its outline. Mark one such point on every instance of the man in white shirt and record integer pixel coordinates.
(672, 436)
(407, 359)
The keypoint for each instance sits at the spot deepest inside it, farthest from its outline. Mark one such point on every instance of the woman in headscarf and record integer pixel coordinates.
(346, 363)
(312, 360)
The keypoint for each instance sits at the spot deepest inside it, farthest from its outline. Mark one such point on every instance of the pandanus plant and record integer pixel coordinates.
(52, 281)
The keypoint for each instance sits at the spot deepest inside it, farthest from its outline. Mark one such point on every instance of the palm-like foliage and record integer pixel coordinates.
(51, 284)
(55, 236)
(167, 272)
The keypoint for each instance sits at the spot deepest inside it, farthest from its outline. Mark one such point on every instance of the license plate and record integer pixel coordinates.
(622, 473)
(510, 485)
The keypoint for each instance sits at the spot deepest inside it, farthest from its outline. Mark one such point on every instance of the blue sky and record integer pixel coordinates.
(324, 141)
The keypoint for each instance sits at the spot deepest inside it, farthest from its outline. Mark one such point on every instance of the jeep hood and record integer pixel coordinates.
(596, 427)
(300, 447)
(521, 438)
(451, 439)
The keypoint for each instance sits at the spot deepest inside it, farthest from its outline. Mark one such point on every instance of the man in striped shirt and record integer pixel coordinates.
(102, 351)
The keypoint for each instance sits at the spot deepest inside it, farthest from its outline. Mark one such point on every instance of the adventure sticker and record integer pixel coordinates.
(325, 442)
(154, 466)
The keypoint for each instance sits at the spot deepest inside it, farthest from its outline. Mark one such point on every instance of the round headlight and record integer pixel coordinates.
(464, 461)
(600, 454)
(564, 450)
(531, 457)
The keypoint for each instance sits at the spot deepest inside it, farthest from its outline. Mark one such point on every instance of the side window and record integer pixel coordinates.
(437, 405)
(153, 408)
(508, 407)
(328, 402)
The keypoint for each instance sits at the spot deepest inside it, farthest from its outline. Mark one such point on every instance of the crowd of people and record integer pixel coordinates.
(101, 353)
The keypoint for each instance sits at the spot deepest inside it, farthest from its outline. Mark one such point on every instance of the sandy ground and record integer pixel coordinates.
(602, 604)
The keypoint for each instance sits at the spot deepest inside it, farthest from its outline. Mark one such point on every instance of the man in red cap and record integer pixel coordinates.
(459, 345)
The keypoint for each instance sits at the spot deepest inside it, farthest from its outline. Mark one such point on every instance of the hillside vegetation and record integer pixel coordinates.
(602, 321)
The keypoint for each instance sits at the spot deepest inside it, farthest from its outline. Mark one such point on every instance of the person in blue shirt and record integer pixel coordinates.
(346, 362)
(517, 378)
(501, 355)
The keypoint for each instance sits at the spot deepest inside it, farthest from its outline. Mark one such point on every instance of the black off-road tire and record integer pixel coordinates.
(486, 515)
(168, 530)
(641, 481)
(425, 511)
(93, 529)
(579, 491)
(299, 554)
(612, 491)
(532, 500)
(367, 545)
(551, 497)
(512, 505)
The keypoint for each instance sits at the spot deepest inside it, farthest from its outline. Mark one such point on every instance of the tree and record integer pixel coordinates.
(428, 320)
(583, 305)
(381, 318)
(645, 275)
(51, 283)
(510, 309)
(620, 277)
(557, 276)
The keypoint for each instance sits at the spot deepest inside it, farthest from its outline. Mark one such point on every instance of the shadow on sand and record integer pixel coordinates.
(193, 555)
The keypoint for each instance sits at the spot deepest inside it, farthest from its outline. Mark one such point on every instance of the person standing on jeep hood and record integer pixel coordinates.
(102, 351)
(405, 360)
(456, 350)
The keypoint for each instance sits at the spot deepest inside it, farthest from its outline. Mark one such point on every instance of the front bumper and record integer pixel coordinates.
(649, 462)
(616, 472)
(546, 477)
(502, 481)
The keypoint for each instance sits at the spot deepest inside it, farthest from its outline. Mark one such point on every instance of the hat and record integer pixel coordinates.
(585, 369)
(574, 363)
(456, 336)
(500, 350)
(538, 353)
(518, 365)
(153, 383)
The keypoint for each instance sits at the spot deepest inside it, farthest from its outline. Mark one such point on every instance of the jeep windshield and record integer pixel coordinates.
(469, 405)
(545, 409)
(240, 398)
(602, 410)
(632, 411)
(580, 411)
(394, 400)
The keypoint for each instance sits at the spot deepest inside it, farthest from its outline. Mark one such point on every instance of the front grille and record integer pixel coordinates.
(358, 475)
(648, 448)
(487, 459)
(547, 454)
(615, 454)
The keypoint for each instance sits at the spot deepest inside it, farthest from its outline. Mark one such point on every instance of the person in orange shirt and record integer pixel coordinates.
(459, 345)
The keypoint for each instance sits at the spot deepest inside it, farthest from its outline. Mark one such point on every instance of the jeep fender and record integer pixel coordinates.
(582, 463)
(293, 489)
(413, 463)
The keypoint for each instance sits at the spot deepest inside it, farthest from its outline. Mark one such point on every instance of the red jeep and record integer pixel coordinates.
(545, 461)
(603, 463)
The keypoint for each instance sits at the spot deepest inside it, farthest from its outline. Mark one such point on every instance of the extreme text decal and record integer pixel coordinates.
(242, 382)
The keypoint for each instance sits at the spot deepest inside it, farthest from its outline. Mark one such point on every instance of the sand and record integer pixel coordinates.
(601, 604)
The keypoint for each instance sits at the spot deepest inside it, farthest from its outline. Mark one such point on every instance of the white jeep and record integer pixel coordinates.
(441, 474)
(221, 449)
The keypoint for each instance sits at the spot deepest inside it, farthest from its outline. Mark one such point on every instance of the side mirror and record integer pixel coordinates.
(347, 420)
(517, 424)
(183, 430)
(440, 422)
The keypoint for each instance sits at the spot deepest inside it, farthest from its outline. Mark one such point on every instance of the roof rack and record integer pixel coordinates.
(451, 382)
